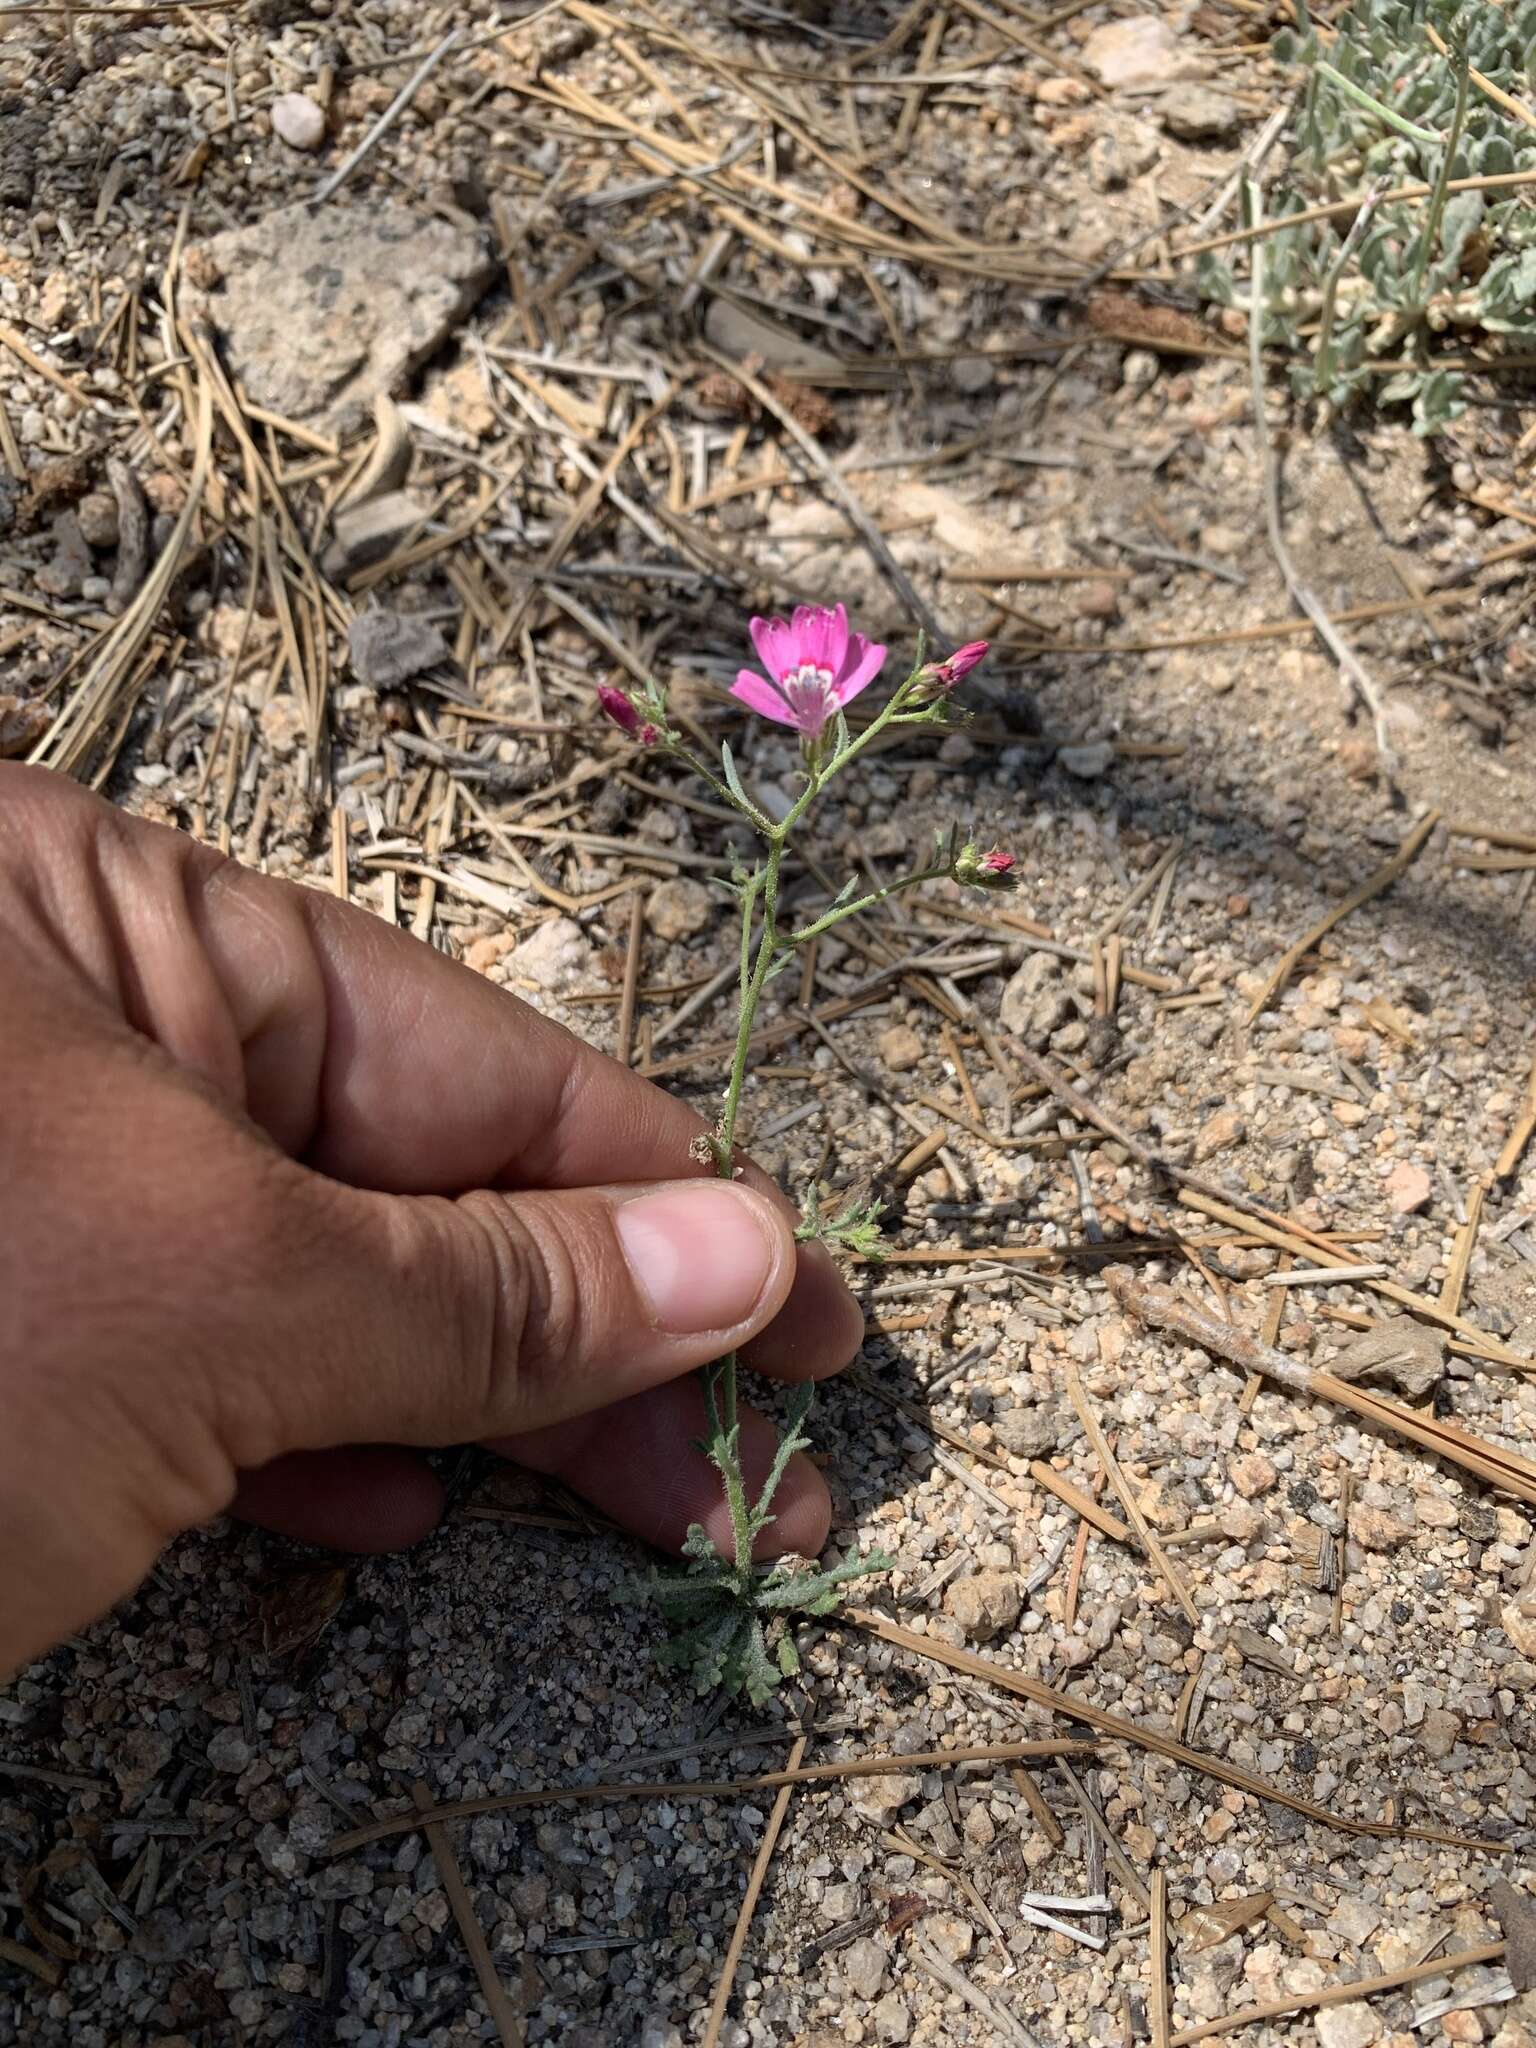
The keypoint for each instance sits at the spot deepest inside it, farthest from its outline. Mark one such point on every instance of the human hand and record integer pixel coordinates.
(282, 1191)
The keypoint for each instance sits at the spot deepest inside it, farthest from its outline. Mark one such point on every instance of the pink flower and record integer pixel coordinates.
(619, 708)
(816, 664)
(998, 863)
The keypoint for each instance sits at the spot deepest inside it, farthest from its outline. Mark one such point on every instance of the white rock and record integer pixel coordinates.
(680, 909)
(1141, 51)
(863, 1966)
(551, 957)
(298, 121)
(1355, 2025)
(881, 1797)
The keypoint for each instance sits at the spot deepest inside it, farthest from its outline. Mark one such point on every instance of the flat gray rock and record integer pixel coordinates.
(388, 648)
(321, 310)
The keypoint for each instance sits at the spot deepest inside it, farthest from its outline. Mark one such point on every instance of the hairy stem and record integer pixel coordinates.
(839, 911)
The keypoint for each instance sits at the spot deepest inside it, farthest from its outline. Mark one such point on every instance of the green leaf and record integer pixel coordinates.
(733, 780)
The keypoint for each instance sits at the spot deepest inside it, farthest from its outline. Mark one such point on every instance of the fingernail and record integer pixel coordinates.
(701, 1253)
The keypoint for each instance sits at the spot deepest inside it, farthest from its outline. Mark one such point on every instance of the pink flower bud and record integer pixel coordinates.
(960, 663)
(648, 735)
(975, 870)
(619, 709)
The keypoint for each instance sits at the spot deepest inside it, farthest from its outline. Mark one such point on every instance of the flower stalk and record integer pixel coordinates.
(730, 1614)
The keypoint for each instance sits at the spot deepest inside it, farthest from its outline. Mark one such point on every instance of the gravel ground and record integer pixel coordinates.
(1366, 1639)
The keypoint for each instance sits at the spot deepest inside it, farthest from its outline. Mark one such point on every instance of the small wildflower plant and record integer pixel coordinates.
(730, 1615)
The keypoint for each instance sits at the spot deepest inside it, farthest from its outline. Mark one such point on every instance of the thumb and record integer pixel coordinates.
(428, 1321)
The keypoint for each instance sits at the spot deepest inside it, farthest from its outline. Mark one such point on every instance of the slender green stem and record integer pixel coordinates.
(768, 945)
(1431, 233)
(841, 910)
(1348, 87)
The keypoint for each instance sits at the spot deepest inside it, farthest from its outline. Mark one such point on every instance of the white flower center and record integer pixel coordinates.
(809, 693)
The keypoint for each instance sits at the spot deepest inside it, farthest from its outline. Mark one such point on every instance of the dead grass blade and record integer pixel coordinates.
(508, 2021)
(755, 1883)
(1373, 886)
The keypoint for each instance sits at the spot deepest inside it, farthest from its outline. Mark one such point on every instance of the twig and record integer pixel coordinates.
(1349, 663)
(387, 119)
(1003, 2022)
(754, 1889)
(509, 2025)
(1515, 1144)
(1157, 2004)
(1129, 1876)
(1382, 879)
(1074, 1708)
(728, 1788)
(1337, 1994)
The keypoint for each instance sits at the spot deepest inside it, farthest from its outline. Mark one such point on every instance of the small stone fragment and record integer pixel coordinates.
(1376, 1529)
(1219, 1134)
(985, 1604)
(366, 533)
(882, 1797)
(1029, 1432)
(97, 513)
(320, 308)
(863, 1967)
(1354, 2025)
(1409, 1188)
(1141, 51)
(893, 2019)
(135, 536)
(228, 1750)
(971, 374)
(553, 956)
(1440, 1732)
(71, 563)
(1408, 1353)
(388, 648)
(1087, 761)
(298, 121)
(1252, 1474)
(1062, 92)
(953, 1936)
(900, 1048)
(1194, 113)
(680, 909)
(1099, 600)
(22, 724)
(1516, 1915)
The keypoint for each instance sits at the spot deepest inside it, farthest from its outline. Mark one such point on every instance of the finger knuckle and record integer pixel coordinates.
(530, 1300)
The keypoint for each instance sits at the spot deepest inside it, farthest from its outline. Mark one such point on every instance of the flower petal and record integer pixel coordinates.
(862, 663)
(774, 640)
(758, 694)
(824, 644)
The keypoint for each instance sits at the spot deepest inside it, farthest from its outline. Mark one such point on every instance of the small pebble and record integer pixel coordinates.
(298, 121)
